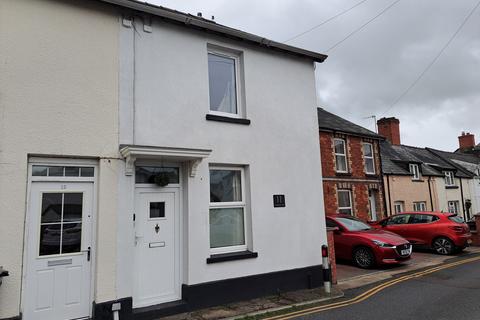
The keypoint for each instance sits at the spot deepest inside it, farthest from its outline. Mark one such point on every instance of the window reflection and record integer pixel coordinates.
(61, 223)
(146, 174)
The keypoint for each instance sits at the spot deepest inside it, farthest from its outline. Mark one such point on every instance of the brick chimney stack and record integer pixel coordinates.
(390, 129)
(466, 141)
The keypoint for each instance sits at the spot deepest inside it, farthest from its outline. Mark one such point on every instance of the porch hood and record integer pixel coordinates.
(192, 156)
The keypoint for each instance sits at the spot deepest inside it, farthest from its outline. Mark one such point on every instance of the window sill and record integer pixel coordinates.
(214, 117)
(215, 258)
(451, 187)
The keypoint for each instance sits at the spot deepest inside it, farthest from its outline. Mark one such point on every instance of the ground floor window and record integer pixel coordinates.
(399, 205)
(345, 202)
(420, 206)
(454, 207)
(227, 209)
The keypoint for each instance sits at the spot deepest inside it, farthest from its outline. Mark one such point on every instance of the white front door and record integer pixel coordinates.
(58, 266)
(372, 204)
(157, 218)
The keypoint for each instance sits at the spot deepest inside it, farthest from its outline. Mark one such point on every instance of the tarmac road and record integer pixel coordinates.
(448, 294)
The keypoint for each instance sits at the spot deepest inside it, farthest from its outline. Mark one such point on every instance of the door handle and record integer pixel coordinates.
(88, 251)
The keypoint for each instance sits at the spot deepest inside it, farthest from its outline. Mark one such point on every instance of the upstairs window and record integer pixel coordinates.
(223, 83)
(415, 171)
(368, 156)
(449, 178)
(340, 155)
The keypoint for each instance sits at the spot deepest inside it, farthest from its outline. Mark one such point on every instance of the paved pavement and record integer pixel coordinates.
(350, 276)
(350, 280)
(443, 295)
(283, 301)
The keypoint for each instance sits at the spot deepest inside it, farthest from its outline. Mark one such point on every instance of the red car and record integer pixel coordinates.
(365, 246)
(443, 232)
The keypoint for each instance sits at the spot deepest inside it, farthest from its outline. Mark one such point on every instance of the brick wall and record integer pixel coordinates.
(331, 253)
(356, 180)
(475, 233)
(326, 152)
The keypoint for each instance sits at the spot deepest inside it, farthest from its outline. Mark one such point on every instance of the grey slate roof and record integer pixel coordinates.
(396, 160)
(391, 160)
(199, 23)
(328, 121)
(468, 163)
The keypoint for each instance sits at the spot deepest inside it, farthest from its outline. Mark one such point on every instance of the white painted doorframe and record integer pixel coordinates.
(140, 223)
(91, 225)
(373, 205)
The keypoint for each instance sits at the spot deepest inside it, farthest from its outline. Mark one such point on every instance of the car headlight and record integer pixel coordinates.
(383, 244)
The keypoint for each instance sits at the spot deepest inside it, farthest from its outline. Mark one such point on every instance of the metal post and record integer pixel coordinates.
(327, 274)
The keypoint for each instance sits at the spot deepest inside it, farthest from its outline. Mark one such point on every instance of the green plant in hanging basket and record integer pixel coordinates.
(161, 179)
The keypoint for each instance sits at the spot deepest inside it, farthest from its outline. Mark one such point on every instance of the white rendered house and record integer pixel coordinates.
(152, 162)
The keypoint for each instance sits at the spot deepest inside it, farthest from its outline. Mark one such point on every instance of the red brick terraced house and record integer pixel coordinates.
(351, 166)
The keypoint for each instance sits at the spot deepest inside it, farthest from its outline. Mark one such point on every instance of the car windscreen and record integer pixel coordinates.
(353, 224)
(456, 219)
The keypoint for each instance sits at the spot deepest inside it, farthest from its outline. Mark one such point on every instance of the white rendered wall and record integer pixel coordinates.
(280, 147)
(59, 97)
(474, 187)
(445, 195)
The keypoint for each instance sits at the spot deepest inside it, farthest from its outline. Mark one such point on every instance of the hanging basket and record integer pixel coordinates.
(161, 179)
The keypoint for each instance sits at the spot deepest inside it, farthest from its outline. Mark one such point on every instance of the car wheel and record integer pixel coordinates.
(443, 246)
(363, 257)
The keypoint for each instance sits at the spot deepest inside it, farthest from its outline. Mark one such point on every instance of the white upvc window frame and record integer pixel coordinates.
(344, 154)
(449, 178)
(420, 206)
(415, 171)
(225, 53)
(372, 158)
(455, 205)
(233, 204)
(349, 192)
(399, 206)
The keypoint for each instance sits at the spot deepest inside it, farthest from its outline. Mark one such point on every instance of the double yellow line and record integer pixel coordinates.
(367, 294)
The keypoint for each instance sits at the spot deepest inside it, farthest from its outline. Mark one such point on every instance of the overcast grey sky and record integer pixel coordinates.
(364, 75)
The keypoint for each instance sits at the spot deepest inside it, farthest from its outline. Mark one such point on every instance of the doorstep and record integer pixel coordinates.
(259, 306)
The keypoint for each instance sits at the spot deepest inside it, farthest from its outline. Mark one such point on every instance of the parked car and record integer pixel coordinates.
(443, 232)
(356, 241)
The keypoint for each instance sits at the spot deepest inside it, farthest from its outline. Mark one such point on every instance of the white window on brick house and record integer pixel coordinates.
(420, 206)
(369, 158)
(454, 207)
(449, 178)
(345, 205)
(399, 206)
(227, 210)
(340, 155)
(415, 171)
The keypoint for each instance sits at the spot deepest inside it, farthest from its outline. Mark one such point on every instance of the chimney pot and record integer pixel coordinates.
(390, 129)
(199, 14)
